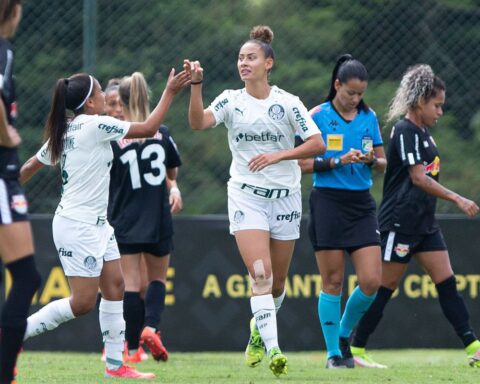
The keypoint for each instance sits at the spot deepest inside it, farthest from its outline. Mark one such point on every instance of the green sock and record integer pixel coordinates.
(472, 348)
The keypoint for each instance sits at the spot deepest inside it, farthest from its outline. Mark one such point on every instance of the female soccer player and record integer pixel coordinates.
(16, 243)
(83, 237)
(139, 211)
(113, 105)
(407, 212)
(264, 200)
(342, 210)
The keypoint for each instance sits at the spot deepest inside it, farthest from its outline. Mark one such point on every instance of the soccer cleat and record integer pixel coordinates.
(137, 357)
(473, 353)
(361, 359)
(154, 343)
(127, 372)
(278, 361)
(346, 352)
(255, 350)
(335, 362)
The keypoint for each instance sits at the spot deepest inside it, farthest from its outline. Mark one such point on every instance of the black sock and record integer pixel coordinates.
(25, 282)
(132, 310)
(154, 303)
(455, 311)
(370, 320)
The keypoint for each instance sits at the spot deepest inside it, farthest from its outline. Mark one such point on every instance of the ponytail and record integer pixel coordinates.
(134, 94)
(70, 93)
(347, 68)
(56, 125)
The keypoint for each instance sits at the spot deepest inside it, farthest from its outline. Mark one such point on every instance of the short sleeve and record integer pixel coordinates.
(172, 156)
(110, 129)
(43, 155)
(407, 144)
(302, 121)
(377, 135)
(220, 107)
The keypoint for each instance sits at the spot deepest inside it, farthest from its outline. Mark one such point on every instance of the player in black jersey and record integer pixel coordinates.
(16, 243)
(407, 213)
(142, 193)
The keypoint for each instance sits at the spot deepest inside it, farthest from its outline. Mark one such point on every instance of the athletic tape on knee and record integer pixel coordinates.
(260, 284)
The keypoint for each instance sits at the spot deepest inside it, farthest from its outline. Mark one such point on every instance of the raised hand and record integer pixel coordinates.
(178, 81)
(194, 68)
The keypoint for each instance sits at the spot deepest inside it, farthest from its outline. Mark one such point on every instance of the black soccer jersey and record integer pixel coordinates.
(138, 208)
(406, 208)
(9, 162)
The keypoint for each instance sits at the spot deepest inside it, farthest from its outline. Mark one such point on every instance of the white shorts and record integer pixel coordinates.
(82, 248)
(281, 217)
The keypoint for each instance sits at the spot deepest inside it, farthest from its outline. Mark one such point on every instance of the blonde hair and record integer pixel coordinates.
(134, 94)
(418, 82)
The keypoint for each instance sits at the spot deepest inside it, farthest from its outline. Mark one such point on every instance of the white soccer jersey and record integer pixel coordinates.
(85, 166)
(258, 126)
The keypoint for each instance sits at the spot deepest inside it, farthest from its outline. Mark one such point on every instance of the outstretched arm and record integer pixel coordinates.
(198, 117)
(149, 127)
(429, 185)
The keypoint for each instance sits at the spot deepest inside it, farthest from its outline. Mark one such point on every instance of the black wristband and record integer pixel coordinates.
(321, 164)
(196, 82)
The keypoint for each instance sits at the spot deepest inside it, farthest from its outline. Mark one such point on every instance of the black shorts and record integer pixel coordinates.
(342, 219)
(162, 248)
(400, 248)
(13, 204)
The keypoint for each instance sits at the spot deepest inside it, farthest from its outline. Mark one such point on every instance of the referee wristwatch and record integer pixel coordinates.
(337, 162)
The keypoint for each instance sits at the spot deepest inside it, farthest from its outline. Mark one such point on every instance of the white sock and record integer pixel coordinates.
(112, 326)
(278, 301)
(263, 309)
(49, 317)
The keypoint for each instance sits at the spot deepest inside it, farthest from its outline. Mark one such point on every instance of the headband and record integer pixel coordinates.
(88, 94)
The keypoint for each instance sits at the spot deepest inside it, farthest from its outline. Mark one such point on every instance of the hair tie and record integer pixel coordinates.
(88, 94)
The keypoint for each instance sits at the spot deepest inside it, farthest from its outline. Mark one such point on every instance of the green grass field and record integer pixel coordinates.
(405, 366)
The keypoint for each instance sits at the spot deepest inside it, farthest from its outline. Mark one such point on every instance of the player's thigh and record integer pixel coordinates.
(156, 266)
(254, 247)
(83, 294)
(367, 262)
(16, 241)
(281, 252)
(331, 264)
(436, 264)
(392, 273)
(111, 280)
(131, 269)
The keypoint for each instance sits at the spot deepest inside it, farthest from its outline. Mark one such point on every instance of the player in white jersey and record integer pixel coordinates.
(264, 200)
(83, 237)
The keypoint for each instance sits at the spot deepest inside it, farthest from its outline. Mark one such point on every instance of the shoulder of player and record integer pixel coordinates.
(320, 109)
(286, 96)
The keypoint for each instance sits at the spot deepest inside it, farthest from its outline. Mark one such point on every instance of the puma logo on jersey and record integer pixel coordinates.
(239, 111)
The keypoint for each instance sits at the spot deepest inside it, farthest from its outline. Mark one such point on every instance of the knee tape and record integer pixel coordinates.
(261, 285)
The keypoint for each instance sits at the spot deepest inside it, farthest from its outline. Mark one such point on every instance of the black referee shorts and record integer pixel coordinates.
(163, 248)
(342, 219)
(13, 204)
(399, 247)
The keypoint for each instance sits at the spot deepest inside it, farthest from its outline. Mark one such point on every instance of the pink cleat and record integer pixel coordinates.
(127, 372)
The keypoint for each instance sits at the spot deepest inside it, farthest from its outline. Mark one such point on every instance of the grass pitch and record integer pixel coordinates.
(425, 366)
